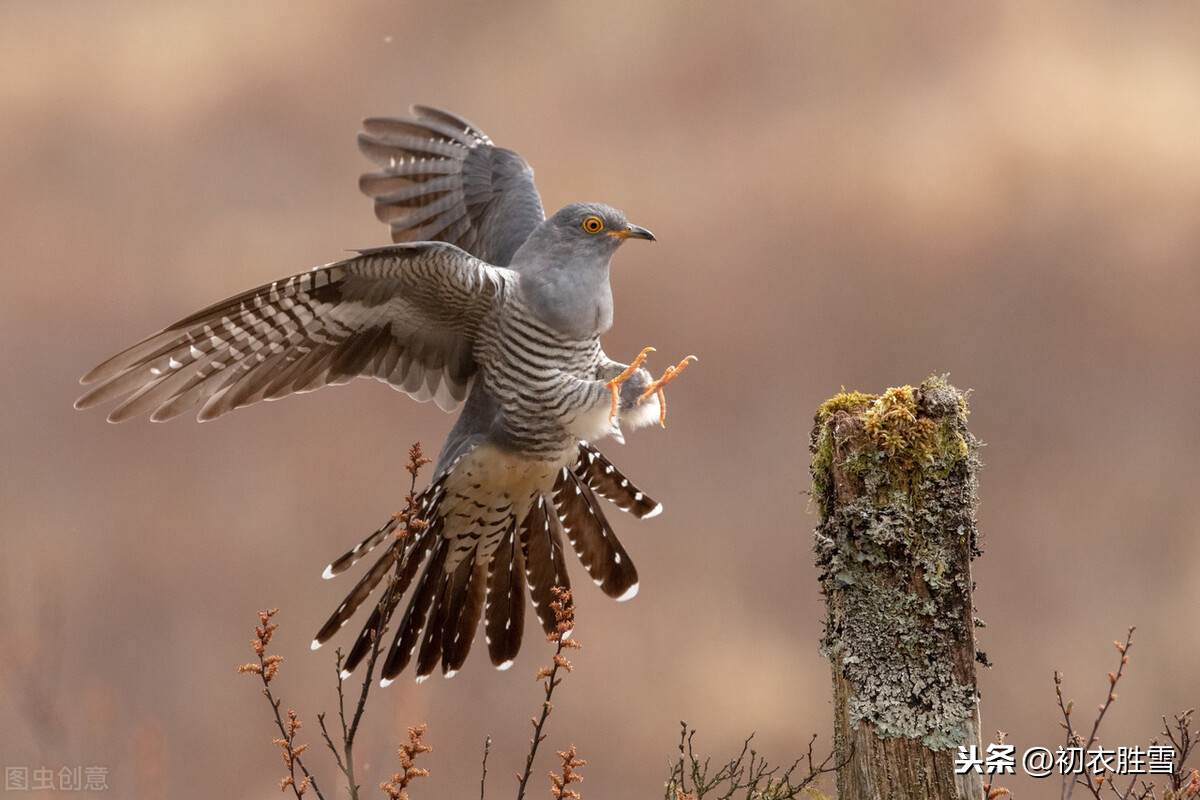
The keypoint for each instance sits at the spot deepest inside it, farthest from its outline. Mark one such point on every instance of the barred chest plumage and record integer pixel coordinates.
(545, 383)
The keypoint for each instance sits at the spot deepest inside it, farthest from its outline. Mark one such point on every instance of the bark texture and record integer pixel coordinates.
(894, 480)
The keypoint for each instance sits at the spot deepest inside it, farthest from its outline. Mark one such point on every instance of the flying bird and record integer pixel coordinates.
(483, 304)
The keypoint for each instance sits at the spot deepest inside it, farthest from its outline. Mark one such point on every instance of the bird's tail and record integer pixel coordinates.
(448, 605)
(424, 507)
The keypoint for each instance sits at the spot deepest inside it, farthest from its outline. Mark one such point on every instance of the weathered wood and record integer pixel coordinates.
(894, 481)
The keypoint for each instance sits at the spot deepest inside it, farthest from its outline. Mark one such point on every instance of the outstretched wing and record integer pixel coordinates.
(404, 314)
(444, 180)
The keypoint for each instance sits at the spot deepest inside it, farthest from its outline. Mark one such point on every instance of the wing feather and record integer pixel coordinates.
(405, 314)
(442, 178)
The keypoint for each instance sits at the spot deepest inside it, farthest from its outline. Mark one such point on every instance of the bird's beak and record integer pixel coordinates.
(634, 232)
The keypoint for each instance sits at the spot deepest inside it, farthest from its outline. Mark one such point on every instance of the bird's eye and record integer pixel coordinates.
(593, 224)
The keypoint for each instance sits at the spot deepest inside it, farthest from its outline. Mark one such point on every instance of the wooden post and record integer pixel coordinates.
(894, 481)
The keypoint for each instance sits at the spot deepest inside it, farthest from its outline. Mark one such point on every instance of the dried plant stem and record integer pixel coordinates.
(538, 724)
(266, 669)
(1183, 740)
(487, 746)
(345, 757)
(749, 773)
(387, 605)
(1182, 781)
(1073, 736)
(564, 611)
(293, 756)
(396, 787)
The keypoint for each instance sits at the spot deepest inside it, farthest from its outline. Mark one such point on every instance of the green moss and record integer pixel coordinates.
(821, 444)
(912, 436)
(852, 402)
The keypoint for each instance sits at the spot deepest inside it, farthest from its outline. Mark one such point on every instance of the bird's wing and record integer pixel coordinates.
(405, 314)
(442, 179)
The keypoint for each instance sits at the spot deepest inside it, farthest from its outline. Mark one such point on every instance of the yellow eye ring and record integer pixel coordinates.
(592, 224)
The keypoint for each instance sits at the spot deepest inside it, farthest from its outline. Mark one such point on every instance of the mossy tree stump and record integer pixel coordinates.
(894, 481)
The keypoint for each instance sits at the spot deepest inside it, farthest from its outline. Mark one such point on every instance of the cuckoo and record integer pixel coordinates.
(481, 303)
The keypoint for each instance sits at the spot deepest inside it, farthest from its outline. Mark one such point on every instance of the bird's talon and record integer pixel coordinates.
(615, 384)
(656, 388)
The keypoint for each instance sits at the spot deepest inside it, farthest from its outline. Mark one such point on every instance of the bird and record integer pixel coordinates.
(484, 305)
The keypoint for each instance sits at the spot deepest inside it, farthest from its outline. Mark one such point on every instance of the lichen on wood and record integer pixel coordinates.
(894, 481)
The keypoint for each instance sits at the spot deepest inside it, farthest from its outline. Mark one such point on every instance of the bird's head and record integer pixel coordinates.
(595, 225)
(564, 266)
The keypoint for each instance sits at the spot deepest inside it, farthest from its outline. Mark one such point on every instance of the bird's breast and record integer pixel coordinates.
(537, 378)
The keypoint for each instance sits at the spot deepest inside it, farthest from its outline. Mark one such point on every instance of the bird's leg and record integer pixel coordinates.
(656, 388)
(615, 384)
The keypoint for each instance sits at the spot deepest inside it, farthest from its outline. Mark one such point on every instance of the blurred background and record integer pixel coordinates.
(844, 195)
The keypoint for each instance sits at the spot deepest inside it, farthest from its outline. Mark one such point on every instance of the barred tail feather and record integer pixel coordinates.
(504, 614)
(452, 588)
(607, 481)
(353, 556)
(411, 624)
(463, 619)
(545, 567)
(361, 591)
(419, 552)
(425, 502)
(593, 539)
(362, 645)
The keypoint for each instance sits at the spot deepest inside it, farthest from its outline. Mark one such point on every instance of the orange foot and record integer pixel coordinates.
(615, 384)
(656, 388)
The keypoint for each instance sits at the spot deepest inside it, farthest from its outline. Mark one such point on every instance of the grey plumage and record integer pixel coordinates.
(444, 180)
(403, 314)
(501, 315)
